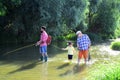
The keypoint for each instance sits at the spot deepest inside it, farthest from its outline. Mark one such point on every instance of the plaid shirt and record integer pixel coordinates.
(83, 42)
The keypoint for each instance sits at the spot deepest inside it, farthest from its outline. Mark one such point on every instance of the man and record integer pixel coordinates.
(43, 44)
(83, 44)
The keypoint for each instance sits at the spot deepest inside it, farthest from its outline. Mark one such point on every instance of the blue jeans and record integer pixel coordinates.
(43, 49)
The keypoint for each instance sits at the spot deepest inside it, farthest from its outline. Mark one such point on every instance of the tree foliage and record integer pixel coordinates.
(25, 17)
(20, 20)
(105, 21)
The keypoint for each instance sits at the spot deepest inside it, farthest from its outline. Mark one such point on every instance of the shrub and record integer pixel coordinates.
(94, 37)
(115, 45)
(110, 71)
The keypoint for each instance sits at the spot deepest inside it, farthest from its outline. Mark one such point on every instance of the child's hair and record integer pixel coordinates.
(69, 43)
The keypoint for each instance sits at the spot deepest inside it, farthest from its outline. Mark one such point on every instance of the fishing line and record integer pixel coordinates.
(19, 49)
(27, 47)
(56, 47)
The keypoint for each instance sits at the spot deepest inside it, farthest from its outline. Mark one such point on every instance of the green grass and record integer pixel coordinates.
(110, 71)
(115, 45)
(106, 67)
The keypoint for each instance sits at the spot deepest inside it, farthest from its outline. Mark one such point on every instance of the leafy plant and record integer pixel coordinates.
(109, 71)
(115, 45)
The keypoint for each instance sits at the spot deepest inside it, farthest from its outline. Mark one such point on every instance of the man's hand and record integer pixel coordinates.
(38, 43)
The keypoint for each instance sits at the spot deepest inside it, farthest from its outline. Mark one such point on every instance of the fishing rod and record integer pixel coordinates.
(65, 41)
(19, 49)
(26, 47)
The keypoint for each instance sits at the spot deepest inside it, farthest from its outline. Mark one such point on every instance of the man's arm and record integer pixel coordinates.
(89, 41)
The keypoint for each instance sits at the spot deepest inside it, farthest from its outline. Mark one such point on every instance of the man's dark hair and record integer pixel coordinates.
(43, 27)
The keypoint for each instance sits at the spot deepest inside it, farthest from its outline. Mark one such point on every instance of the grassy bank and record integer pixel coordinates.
(105, 70)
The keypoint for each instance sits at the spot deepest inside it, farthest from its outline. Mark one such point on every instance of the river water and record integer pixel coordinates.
(20, 62)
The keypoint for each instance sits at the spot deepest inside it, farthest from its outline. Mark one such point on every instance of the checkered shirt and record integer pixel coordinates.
(83, 42)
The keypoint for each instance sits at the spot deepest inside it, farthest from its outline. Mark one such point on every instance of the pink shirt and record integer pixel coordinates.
(43, 38)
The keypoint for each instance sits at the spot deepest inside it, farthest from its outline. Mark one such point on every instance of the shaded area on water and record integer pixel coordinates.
(72, 69)
(10, 52)
(26, 67)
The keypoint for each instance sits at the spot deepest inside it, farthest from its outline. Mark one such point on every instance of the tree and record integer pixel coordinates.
(75, 13)
(106, 20)
(24, 18)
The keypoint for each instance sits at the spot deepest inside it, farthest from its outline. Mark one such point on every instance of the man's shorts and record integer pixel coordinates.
(43, 49)
(83, 53)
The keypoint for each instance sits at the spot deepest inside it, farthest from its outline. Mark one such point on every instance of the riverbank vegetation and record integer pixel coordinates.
(21, 19)
(109, 70)
(115, 45)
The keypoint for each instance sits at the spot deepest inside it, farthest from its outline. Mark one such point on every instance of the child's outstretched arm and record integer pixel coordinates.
(64, 48)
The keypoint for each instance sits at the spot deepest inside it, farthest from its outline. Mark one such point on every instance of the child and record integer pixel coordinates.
(71, 50)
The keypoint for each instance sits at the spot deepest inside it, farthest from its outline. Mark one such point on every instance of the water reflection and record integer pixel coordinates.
(24, 67)
(79, 68)
(63, 66)
(44, 72)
